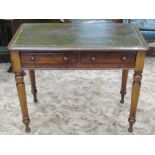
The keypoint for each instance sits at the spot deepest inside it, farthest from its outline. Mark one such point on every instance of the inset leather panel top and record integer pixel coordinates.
(78, 37)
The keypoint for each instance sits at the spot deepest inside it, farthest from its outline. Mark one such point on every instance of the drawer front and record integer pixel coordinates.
(78, 60)
(109, 59)
(47, 60)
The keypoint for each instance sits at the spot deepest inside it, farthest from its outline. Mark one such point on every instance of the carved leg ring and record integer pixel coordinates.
(131, 120)
(134, 99)
(34, 92)
(122, 92)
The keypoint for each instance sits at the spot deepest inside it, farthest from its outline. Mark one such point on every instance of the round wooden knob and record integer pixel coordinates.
(124, 58)
(33, 58)
(65, 59)
(93, 59)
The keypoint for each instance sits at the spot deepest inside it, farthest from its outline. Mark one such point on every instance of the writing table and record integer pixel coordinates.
(78, 46)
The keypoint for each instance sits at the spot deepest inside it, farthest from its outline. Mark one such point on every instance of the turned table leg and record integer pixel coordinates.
(123, 85)
(33, 85)
(136, 88)
(19, 77)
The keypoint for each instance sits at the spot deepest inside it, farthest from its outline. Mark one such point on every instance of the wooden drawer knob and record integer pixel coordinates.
(124, 58)
(33, 58)
(93, 59)
(65, 59)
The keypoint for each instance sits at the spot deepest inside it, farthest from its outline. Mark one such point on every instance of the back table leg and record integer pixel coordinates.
(123, 85)
(19, 76)
(33, 85)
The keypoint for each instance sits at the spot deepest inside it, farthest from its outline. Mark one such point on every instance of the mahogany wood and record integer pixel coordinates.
(139, 65)
(79, 60)
(15, 59)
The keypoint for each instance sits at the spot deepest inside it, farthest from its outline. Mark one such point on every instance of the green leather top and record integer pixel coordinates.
(100, 36)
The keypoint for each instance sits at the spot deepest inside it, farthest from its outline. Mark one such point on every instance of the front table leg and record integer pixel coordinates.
(136, 88)
(15, 59)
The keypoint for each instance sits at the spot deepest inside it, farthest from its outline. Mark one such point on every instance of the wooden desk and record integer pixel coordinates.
(78, 46)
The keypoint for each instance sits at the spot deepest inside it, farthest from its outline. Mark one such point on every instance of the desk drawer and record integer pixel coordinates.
(78, 60)
(108, 58)
(47, 59)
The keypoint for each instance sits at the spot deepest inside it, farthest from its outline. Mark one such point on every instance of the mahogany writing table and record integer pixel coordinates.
(78, 46)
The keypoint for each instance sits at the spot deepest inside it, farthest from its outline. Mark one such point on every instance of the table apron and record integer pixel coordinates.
(77, 60)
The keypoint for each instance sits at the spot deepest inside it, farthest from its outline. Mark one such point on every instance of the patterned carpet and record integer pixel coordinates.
(78, 102)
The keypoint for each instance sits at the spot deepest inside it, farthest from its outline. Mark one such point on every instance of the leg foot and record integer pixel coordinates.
(131, 120)
(26, 121)
(10, 69)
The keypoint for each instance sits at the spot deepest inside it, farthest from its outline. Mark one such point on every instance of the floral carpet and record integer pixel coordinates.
(83, 102)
